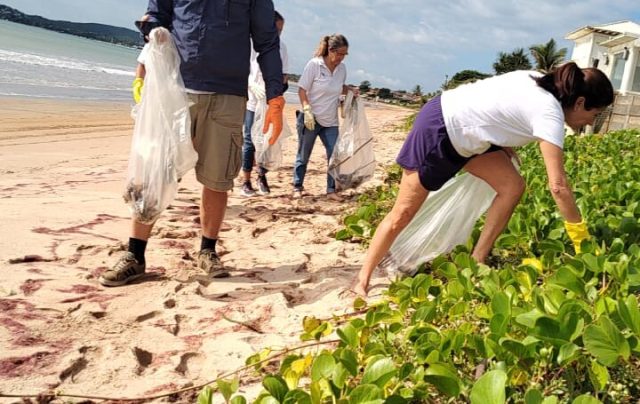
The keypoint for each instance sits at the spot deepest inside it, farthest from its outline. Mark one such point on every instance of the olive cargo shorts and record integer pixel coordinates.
(216, 130)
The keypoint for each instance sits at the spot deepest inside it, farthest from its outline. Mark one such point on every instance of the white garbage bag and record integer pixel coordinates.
(353, 161)
(445, 220)
(267, 156)
(161, 147)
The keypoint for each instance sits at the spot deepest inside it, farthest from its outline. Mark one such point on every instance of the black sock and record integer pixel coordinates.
(208, 243)
(137, 247)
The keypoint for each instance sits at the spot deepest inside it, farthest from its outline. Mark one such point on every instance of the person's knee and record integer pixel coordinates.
(513, 189)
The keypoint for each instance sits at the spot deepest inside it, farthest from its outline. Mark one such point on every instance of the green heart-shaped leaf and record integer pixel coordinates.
(604, 341)
(490, 388)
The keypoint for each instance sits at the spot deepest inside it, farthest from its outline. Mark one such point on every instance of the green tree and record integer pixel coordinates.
(365, 86)
(463, 77)
(384, 93)
(547, 56)
(417, 90)
(509, 62)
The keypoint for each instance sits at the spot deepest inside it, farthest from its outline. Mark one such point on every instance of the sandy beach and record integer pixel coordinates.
(62, 171)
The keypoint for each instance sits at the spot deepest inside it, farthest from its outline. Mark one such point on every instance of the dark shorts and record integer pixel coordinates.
(428, 149)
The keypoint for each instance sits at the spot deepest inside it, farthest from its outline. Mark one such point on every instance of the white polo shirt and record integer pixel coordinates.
(508, 110)
(255, 75)
(323, 89)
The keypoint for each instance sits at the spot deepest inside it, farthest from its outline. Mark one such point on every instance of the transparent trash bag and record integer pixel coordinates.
(445, 220)
(267, 156)
(352, 161)
(161, 147)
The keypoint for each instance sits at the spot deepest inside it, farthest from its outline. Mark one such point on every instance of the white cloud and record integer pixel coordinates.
(412, 42)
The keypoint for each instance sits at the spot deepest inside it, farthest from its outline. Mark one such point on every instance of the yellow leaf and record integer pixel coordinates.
(299, 366)
(310, 323)
(534, 262)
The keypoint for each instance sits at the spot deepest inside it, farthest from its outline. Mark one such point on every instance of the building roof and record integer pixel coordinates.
(612, 29)
(620, 39)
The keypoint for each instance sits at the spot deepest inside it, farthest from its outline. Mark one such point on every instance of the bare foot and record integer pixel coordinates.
(334, 197)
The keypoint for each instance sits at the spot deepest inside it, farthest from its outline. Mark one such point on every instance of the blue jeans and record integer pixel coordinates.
(306, 140)
(248, 149)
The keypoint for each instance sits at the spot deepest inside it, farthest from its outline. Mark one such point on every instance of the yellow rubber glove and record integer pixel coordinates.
(136, 89)
(577, 232)
(309, 119)
(274, 117)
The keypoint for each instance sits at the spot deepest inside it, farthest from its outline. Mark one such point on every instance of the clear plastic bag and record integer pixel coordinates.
(267, 156)
(445, 220)
(353, 161)
(161, 147)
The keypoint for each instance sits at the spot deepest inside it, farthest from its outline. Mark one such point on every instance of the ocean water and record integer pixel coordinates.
(35, 62)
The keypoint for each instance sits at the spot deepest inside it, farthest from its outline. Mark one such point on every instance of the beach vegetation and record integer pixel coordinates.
(564, 331)
(463, 77)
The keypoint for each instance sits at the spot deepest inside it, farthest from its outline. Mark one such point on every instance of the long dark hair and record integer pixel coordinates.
(568, 82)
(331, 42)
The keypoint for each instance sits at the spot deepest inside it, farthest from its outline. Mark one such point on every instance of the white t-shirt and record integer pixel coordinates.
(323, 89)
(509, 110)
(255, 75)
(143, 53)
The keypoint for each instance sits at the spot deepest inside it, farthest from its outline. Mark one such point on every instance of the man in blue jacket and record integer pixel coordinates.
(213, 40)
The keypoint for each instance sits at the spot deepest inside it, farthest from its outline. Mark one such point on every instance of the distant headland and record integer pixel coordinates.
(100, 32)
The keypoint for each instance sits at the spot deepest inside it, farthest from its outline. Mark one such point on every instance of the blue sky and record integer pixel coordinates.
(395, 43)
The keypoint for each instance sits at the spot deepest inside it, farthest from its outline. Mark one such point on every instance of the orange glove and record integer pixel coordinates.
(274, 117)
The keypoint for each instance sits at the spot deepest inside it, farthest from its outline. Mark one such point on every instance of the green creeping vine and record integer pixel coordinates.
(466, 332)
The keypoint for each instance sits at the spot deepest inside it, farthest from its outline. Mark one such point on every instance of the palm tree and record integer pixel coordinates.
(547, 56)
(508, 62)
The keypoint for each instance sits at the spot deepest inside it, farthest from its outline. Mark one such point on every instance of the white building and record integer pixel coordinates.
(614, 49)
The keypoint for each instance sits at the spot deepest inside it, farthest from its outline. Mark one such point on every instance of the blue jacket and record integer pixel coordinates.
(212, 37)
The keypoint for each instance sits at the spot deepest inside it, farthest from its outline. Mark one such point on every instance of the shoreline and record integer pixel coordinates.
(62, 99)
(55, 99)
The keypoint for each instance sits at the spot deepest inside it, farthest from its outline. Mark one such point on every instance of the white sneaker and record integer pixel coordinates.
(247, 189)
